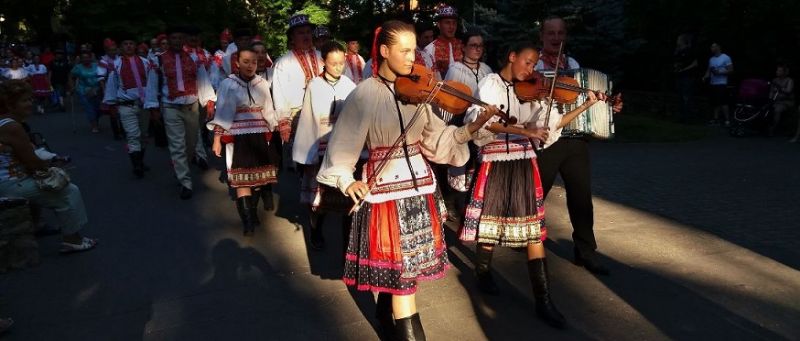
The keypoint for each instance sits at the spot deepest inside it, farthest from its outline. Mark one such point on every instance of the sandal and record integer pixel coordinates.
(86, 244)
(5, 324)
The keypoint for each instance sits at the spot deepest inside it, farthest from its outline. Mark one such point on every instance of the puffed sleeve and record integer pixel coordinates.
(110, 93)
(442, 143)
(225, 106)
(151, 92)
(347, 140)
(305, 146)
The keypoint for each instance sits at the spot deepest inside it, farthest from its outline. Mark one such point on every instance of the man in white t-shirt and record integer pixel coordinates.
(720, 66)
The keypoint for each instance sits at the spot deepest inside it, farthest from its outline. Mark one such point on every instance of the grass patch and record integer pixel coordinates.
(633, 128)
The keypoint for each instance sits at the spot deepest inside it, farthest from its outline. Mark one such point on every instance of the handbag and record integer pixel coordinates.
(54, 179)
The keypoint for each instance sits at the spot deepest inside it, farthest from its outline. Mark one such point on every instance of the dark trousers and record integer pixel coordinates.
(570, 158)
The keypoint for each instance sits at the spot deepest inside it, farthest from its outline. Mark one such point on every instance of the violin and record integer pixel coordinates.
(566, 90)
(420, 86)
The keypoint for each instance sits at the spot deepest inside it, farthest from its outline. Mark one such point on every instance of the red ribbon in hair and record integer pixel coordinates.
(374, 54)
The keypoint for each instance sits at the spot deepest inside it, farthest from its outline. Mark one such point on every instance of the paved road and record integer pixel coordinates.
(701, 238)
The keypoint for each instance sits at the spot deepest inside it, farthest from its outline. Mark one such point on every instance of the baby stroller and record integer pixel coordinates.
(753, 108)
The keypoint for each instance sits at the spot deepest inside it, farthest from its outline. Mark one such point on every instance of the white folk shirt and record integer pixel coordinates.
(370, 117)
(205, 92)
(555, 115)
(244, 107)
(321, 107)
(462, 73)
(504, 147)
(115, 92)
(289, 83)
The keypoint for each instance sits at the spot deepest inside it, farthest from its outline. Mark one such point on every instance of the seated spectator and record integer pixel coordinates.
(20, 168)
(782, 91)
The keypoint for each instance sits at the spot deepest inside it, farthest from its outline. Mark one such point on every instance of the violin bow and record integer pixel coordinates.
(552, 89)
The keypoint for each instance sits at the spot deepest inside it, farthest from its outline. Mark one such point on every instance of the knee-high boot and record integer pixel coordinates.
(317, 241)
(266, 196)
(409, 329)
(246, 213)
(545, 309)
(383, 313)
(483, 271)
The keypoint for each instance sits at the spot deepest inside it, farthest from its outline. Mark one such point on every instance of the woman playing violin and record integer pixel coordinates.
(397, 234)
(507, 206)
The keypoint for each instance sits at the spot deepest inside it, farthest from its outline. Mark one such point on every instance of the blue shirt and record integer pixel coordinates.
(719, 63)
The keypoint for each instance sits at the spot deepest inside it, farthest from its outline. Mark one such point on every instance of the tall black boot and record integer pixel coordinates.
(483, 271)
(144, 166)
(116, 127)
(383, 313)
(136, 161)
(254, 207)
(266, 195)
(545, 309)
(409, 329)
(317, 241)
(245, 213)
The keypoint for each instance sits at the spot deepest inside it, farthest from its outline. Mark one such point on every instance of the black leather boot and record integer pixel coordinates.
(138, 165)
(409, 329)
(254, 206)
(316, 240)
(266, 196)
(245, 213)
(116, 127)
(483, 271)
(545, 309)
(383, 313)
(591, 262)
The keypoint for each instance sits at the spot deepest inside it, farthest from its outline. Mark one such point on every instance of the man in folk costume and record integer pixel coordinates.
(203, 58)
(126, 85)
(179, 85)
(157, 48)
(354, 63)
(568, 155)
(216, 73)
(142, 49)
(292, 73)
(446, 49)
(104, 65)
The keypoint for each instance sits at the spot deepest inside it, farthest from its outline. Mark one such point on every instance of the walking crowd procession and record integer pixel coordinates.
(381, 140)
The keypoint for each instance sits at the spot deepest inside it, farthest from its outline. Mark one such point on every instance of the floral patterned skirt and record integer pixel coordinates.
(254, 161)
(507, 205)
(396, 243)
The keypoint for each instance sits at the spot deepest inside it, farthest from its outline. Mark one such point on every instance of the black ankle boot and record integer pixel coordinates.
(245, 213)
(591, 262)
(483, 271)
(383, 313)
(138, 165)
(317, 241)
(545, 309)
(409, 329)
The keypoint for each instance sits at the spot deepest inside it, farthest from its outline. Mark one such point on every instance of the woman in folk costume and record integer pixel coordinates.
(470, 71)
(397, 237)
(323, 101)
(507, 205)
(244, 122)
(40, 80)
(265, 63)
